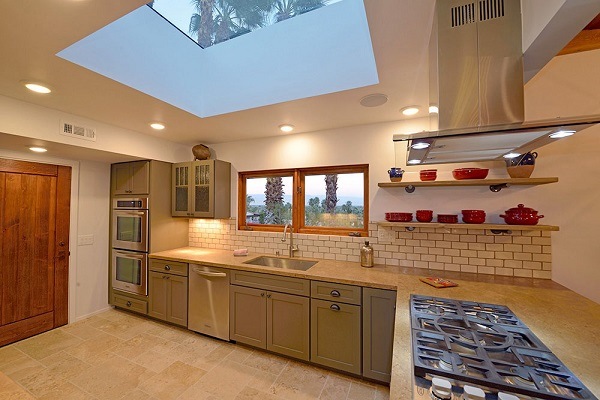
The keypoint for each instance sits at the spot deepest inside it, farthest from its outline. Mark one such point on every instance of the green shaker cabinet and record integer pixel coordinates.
(379, 310)
(168, 291)
(130, 178)
(201, 189)
(262, 316)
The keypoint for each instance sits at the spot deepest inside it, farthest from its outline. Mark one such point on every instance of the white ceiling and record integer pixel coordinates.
(33, 31)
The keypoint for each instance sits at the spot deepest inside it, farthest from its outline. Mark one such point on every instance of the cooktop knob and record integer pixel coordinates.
(441, 388)
(473, 393)
(507, 396)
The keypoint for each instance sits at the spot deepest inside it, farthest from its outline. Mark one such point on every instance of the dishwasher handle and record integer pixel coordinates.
(206, 273)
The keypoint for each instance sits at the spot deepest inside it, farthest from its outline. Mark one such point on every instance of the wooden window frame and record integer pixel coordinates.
(298, 201)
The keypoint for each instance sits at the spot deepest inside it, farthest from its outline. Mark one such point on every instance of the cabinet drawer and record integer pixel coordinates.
(129, 303)
(169, 267)
(276, 283)
(336, 292)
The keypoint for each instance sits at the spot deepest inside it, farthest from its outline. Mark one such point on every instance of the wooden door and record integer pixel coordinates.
(288, 320)
(158, 294)
(379, 314)
(177, 300)
(140, 177)
(34, 248)
(121, 178)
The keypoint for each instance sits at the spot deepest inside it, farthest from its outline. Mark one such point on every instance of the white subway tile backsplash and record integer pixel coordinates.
(522, 254)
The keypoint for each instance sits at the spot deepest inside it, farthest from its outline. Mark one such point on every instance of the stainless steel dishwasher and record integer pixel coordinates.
(208, 301)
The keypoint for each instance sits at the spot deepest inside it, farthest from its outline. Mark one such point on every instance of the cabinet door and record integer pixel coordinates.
(177, 299)
(379, 311)
(203, 188)
(121, 178)
(248, 316)
(288, 319)
(140, 177)
(180, 194)
(157, 296)
(335, 338)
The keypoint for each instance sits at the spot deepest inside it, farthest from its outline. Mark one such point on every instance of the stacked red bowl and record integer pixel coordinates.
(470, 173)
(398, 217)
(473, 216)
(447, 218)
(424, 215)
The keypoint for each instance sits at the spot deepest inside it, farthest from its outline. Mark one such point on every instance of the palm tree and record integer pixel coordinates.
(331, 193)
(285, 9)
(274, 200)
(218, 20)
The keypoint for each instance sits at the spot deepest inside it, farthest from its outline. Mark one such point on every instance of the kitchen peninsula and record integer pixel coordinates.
(565, 321)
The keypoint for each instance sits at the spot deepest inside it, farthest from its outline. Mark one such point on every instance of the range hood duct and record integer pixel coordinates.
(476, 82)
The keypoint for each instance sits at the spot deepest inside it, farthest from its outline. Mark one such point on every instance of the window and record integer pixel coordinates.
(327, 200)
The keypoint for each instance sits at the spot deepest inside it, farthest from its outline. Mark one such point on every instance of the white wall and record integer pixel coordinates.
(92, 261)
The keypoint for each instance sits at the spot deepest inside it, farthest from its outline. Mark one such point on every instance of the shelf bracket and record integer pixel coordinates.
(409, 189)
(501, 231)
(499, 187)
(409, 228)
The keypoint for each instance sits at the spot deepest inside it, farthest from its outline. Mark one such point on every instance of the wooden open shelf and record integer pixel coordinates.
(498, 227)
(495, 184)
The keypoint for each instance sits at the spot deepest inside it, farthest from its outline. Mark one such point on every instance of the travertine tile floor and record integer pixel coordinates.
(117, 355)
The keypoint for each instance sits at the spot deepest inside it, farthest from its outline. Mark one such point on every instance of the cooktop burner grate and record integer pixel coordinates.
(486, 344)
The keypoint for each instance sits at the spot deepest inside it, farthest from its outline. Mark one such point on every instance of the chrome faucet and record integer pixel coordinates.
(292, 247)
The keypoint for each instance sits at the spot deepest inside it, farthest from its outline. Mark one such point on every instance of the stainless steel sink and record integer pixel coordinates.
(284, 263)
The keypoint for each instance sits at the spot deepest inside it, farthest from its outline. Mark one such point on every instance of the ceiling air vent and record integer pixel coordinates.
(463, 14)
(491, 9)
(78, 131)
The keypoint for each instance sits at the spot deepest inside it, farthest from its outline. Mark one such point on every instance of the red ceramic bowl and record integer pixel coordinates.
(470, 173)
(424, 215)
(447, 218)
(473, 218)
(428, 174)
(398, 217)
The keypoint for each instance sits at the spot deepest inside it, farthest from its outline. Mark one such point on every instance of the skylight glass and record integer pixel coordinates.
(208, 22)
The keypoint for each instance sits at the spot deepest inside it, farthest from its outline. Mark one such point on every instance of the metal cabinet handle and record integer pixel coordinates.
(335, 293)
(269, 296)
(207, 273)
(167, 267)
(167, 277)
(262, 294)
(335, 307)
(128, 304)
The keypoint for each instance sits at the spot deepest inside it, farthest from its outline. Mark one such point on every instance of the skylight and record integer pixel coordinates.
(229, 18)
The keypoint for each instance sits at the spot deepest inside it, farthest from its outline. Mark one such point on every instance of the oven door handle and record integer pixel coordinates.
(120, 213)
(206, 273)
(129, 255)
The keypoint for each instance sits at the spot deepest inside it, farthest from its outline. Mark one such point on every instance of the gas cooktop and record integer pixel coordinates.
(488, 346)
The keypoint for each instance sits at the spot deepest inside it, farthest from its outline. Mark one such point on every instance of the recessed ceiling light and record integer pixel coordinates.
(286, 128)
(374, 100)
(157, 125)
(408, 111)
(434, 110)
(38, 149)
(561, 134)
(36, 87)
(420, 145)
(511, 155)
(414, 161)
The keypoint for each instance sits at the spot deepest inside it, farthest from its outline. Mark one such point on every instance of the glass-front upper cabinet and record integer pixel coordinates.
(202, 189)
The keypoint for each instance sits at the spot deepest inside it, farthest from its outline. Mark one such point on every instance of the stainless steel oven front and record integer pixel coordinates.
(130, 271)
(130, 224)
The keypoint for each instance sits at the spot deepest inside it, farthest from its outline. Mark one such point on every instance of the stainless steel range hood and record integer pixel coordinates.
(476, 81)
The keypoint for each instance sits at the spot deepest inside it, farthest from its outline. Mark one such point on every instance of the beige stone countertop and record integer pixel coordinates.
(567, 323)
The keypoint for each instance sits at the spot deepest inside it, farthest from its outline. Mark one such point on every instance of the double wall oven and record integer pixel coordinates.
(129, 242)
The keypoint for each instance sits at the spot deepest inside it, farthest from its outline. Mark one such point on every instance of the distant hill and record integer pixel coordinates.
(259, 199)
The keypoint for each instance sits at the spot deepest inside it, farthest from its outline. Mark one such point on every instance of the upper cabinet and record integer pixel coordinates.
(130, 178)
(201, 189)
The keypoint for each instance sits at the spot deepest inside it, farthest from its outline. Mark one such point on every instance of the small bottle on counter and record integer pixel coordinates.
(366, 255)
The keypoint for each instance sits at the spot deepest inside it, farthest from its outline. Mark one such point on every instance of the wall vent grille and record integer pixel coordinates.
(491, 9)
(77, 130)
(463, 15)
